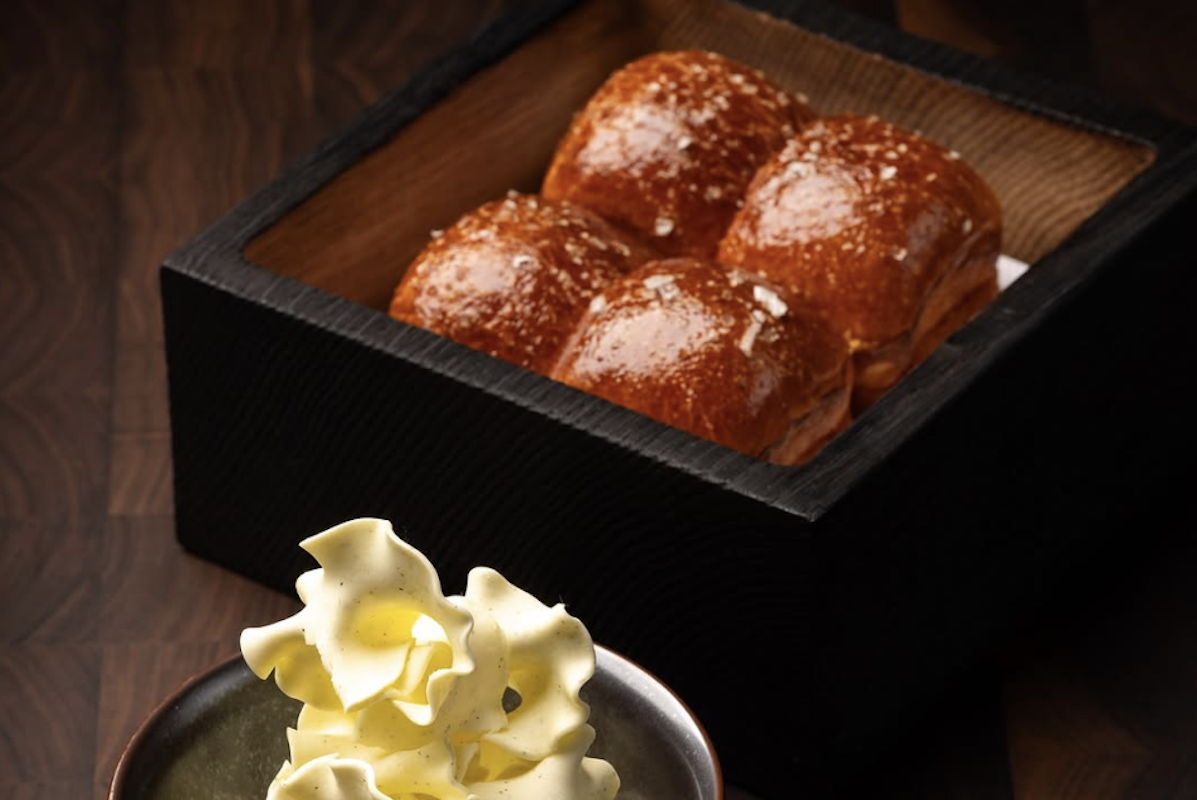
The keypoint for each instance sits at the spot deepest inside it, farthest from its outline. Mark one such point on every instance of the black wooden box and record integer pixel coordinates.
(805, 613)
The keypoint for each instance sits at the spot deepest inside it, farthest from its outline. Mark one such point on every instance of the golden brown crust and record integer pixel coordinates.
(808, 434)
(965, 292)
(865, 220)
(511, 277)
(953, 302)
(722, 354)
(667, 145)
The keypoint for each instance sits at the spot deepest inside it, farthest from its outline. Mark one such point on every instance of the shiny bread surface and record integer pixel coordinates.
(863, 219)
(725, 355)
(511, 277)
(667, 145)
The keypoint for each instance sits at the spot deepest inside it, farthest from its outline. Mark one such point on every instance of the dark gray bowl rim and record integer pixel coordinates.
(229, 667)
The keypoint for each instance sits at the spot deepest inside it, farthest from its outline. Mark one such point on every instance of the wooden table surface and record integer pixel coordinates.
(128, 125)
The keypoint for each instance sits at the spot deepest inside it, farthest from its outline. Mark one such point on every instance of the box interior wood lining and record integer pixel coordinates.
(355, 236)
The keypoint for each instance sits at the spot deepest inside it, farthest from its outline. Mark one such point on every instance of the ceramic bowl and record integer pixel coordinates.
(220, 736)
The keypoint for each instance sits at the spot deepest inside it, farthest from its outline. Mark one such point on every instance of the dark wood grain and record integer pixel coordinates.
(58, 244)
(140, 566)
(128, 125)
(223, 34)
(1133, 50)
(50, 584)
(59, 34)
(355, 58)
(193, 142)
(50, 701)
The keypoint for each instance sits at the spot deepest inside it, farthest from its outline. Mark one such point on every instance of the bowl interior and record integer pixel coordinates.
(221, 737)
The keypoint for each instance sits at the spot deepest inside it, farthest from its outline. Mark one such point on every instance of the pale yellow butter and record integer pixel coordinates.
(403, 687)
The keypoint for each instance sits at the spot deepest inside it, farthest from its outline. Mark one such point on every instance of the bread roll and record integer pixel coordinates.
(893, 238)
(722, 354)
(667, 145)
(512, 277)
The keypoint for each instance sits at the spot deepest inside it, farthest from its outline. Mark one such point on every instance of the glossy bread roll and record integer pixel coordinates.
(512, 277)
(722, 354)
(892, 237)
(667, 145)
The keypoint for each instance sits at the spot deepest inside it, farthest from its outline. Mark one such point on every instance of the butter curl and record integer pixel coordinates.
(411, 694)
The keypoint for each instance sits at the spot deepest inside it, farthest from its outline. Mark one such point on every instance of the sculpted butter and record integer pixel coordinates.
(412, 695)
